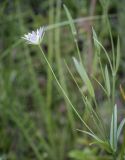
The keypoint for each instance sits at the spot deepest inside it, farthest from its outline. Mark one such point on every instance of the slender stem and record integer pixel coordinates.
(60, 68)
(64, 91)
(79, 20)
(100, 62)
(50, 123)
(78, 51)
(50, 56)
(110, 63)
(112, 43)
(113, 89)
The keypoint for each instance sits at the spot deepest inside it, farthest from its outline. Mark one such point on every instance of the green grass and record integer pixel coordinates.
(37, 121)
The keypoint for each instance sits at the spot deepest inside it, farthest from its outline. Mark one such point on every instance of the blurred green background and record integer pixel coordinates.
(36, 122)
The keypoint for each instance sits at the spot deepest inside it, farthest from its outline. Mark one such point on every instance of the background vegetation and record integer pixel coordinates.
(36, 121)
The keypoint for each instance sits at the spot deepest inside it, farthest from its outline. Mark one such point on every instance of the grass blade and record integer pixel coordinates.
(73, 29)
(98, 43)
(120, 128)
(84, 76)
(118, 55)
(92, 135)
(100, 85)
(107, 81)
(113, 130)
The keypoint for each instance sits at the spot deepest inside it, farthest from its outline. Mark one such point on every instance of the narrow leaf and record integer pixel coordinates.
(95, 42)
(120, 128)
(92, 135)
(113, 129)
(118, 55)
(73, 29)
(100, 85)
(111, 133)
(80, 69)
(107, 81)
(105, 53)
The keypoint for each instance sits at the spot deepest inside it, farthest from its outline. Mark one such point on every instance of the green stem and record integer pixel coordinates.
(64, 23)
(78, 51)
(50, 126)
(50, 56)
(113, 89)
(64, 91)
(62, 78)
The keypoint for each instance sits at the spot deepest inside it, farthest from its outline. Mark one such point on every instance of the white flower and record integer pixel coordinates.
(35, 37)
